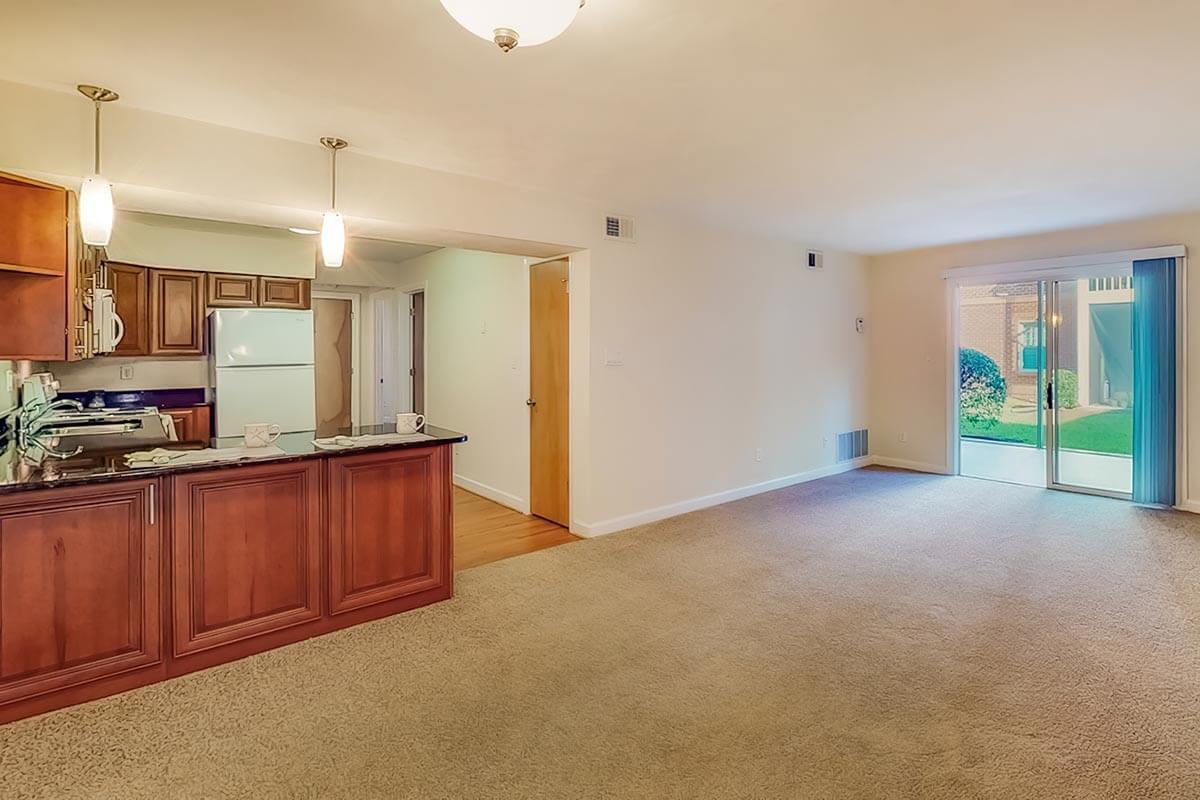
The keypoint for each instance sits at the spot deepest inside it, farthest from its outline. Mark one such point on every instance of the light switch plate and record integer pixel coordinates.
(127, 372)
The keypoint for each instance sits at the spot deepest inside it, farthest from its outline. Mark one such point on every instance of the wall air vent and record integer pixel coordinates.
(852, 445)
(619, 228)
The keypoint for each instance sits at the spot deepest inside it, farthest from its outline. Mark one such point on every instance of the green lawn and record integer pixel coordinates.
(1107, 432)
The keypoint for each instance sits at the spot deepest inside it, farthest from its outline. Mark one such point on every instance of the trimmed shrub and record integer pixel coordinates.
(1066, 389)
(982, 388)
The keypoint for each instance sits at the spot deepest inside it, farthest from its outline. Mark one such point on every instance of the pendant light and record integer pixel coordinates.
(333, 228)
(95, 196)
(513, 23)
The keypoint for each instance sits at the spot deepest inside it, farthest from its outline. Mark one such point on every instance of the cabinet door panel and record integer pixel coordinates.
(176, 313)
(247, 556)
(389, 526)
(131, 291)
(34, 226)
(232, 291)
(79, 587)
(284, 293)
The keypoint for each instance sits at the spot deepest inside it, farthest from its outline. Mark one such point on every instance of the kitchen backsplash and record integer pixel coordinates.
(105, 373)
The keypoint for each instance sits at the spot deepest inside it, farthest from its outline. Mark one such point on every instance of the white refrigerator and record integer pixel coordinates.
(262, 366)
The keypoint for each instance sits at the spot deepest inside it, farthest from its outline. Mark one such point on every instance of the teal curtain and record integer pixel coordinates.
(1154, 381)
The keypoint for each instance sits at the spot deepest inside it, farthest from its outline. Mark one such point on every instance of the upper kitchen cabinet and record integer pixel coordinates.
(35, 226)
(45, 274)
(232, 291)
(284, 293)
(130, 285)
(176, 312)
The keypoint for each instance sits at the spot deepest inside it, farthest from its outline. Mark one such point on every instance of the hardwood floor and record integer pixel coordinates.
(485, 531)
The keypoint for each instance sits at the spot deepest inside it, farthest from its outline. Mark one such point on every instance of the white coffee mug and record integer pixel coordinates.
(409, 423)
(260, 434)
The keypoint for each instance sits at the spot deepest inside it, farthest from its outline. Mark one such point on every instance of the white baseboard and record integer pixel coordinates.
(915, 466)
(591, 529)
(493, 494)
(1190, 506)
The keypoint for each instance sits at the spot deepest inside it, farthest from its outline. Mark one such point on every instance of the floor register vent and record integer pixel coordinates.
(852, 445)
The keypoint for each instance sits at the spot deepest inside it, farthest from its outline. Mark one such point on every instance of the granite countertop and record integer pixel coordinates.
(108, 465)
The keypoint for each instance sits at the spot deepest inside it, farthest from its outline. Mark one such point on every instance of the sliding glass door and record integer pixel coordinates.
(1046, 373)
(1089, 385)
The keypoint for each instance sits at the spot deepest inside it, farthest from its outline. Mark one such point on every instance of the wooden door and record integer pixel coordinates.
(176, 313)
(390, 529)
(418, 353)
(284, 293)
(80, 589)
(232, 291)
(130, 285)
(333, 324)
(247, 554)
(549, 365)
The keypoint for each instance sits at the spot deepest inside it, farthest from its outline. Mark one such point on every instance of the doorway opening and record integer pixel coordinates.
(1061, 375)
(335, 355)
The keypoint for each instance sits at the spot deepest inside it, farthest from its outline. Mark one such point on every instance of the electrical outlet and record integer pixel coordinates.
(127, 372)
(903, 437)
(758, 454)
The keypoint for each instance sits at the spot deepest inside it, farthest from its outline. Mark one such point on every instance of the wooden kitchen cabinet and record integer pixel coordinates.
(284, 293)
(192, 424)
(80, 589)
(389, 514)
(44, 274)
(232, 291)
(35, 226)
(130, 285)
(176, 312)
(247, 554)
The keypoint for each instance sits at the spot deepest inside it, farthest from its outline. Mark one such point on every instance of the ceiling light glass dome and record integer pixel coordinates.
(514, 23)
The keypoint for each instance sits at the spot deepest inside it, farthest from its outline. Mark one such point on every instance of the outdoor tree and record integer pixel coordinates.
(982, 389)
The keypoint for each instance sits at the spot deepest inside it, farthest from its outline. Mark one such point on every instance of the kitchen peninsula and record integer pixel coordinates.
(114, 577)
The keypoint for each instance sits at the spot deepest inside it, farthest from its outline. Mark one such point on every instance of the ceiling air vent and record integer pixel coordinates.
(619, 228)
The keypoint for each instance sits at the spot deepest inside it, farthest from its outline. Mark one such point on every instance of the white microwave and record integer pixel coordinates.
(107, 327)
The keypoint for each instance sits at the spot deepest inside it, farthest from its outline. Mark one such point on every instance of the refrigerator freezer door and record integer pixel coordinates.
(256, 337)
(282, 396)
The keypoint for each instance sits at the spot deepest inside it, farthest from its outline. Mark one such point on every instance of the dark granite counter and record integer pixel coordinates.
(109, 465)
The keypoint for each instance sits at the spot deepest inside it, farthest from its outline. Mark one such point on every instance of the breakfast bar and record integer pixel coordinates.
(116, 574)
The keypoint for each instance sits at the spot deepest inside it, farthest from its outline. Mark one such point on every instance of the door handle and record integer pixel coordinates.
(1050, 395)
(531, 402)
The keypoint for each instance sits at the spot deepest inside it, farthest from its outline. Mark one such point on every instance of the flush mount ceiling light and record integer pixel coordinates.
(514, 23)
(95, 196)
(333, 228)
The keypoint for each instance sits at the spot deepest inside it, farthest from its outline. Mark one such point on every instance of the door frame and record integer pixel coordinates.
(356, 373)
(1051, 269)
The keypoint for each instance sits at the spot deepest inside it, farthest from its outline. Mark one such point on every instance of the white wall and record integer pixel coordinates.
(729, 343)
(477, 364)
(155, 240)
(909, 333)
(105, 373)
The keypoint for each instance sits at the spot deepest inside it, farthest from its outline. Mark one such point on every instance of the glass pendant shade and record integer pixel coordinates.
(96, 211)
(533, 22)
(333, 239)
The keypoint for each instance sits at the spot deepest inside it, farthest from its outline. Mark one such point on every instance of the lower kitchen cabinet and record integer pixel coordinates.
(389, 514)
(192, 424)
(246, 555)
(80, 587)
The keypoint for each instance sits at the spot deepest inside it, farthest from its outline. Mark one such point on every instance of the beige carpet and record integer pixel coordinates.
(874, 635)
